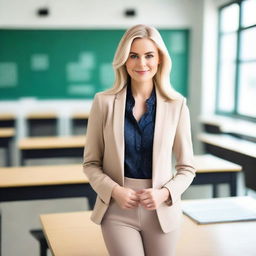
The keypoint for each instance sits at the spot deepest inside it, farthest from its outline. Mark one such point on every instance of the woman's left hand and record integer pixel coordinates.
(151, 198)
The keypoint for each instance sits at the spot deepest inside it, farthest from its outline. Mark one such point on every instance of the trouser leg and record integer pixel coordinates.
(163, 244)
(159, 243)
(122, 240)
(155, 241)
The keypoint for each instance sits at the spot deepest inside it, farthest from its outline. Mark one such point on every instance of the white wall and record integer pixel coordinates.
(98, 13)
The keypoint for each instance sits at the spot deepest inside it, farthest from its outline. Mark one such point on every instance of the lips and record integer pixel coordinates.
(141, 72)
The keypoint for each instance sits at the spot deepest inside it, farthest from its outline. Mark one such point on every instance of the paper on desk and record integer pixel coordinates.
(218, 210)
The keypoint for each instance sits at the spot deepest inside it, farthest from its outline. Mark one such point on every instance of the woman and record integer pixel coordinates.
(132, 131)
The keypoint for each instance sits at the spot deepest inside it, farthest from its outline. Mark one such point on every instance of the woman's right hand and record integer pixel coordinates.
(125, 197)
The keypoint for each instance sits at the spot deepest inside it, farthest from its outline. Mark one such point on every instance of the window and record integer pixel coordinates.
(236, 78)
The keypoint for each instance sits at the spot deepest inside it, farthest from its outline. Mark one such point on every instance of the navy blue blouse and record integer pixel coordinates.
(139, 138)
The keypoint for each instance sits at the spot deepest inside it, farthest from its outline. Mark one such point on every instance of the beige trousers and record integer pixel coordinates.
(136, 232)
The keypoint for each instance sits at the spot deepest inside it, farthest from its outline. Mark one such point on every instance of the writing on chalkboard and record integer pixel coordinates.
(8, 74)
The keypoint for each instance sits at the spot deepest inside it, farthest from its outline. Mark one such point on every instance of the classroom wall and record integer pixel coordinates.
(98, 14)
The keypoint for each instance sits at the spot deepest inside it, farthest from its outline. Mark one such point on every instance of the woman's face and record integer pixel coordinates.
(143, 60)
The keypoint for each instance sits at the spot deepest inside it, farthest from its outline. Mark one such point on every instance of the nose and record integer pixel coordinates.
(142, 61)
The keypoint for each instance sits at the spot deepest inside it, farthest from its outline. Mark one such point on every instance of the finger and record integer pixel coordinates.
(132, 205)
(141, 190)
(133, 201)
(134, 197)
(148, 206)
(143, 197)
(145, 205)
(151, 207)
(136, 203)
(146, 201)
(146, 191)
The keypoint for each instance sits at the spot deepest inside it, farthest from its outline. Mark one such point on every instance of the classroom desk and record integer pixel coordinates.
(221, 239)
(230, 143)
(228, 125)
(74, 234)
(47, 147)
(42, 124)
(80, 116)
(7, 120)
(6, 137)
(214, 170)
(44, 182)
(233, 149)
(79, 123)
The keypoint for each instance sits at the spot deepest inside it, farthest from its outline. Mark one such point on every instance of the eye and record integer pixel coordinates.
(148, 56)
(133, 56)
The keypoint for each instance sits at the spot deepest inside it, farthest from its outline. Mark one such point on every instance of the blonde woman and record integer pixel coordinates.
(133, 130)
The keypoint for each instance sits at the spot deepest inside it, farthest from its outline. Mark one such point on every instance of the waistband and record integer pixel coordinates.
(137, 184)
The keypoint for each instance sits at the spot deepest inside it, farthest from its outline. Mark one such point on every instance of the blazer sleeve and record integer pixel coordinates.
(93, 153)
(183, 152)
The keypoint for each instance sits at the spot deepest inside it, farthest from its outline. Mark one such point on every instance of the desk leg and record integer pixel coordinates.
(22, 158)
(233, 184)
(214, 190)
(8, 155)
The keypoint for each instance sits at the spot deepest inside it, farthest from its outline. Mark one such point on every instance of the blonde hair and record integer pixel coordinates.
(162, 77)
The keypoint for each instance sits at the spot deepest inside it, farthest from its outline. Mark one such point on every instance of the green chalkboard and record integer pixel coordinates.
(72, 64)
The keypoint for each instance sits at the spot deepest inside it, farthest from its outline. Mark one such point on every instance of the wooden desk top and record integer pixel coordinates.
(75, 234)
(52, 142)
(231, 125)
(229, 142)
(80, 116)
(7, 116)
(222, 239)
(41, 175)
(41, 115)
(209, 163)
(7, 132)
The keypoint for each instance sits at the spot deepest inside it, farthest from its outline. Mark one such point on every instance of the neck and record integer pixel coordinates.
(142, 90)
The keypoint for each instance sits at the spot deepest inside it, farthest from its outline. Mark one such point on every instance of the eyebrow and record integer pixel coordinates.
(144, 53)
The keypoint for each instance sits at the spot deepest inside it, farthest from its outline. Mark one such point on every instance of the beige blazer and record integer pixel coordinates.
(104, 153)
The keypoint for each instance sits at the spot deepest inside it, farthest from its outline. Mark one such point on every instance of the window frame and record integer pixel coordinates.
(237, 63)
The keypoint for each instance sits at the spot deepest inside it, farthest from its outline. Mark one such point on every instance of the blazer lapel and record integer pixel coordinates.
(118, 127)
(160, 123)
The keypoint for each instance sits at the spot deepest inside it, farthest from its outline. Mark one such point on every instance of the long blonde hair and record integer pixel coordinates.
(162, 77)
